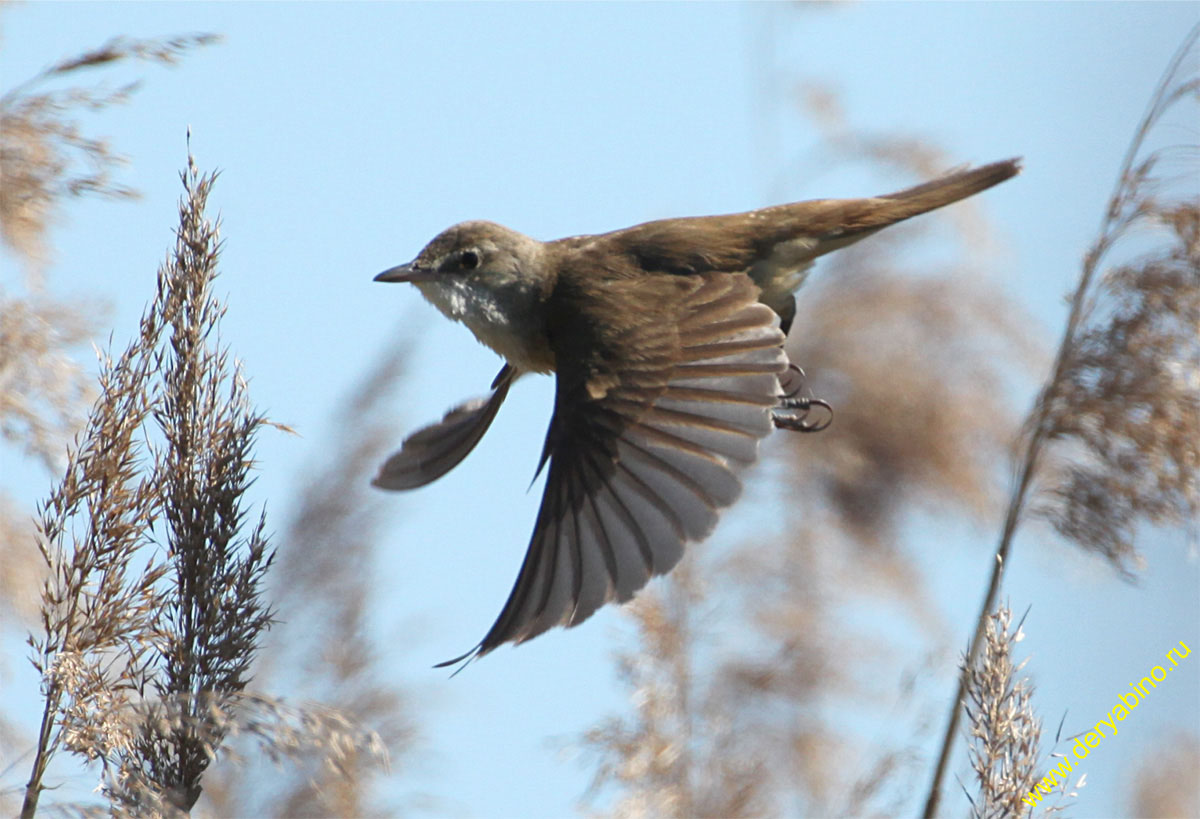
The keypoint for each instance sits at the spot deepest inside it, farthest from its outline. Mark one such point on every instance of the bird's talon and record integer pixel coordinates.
(792, 393)
(794, 408)
(799, 422)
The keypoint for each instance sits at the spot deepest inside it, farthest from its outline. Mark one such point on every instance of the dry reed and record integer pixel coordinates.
(1113, 440)
(1005, 733)
(126, 620)
(324, 651)
(45, 155)
(47, 158)
(154, 611)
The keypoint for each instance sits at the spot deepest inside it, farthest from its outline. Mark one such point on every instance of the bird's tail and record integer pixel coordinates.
(950, 188)
(802, 231)
(831, 224)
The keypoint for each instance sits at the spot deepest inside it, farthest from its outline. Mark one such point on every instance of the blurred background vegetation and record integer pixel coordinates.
(757, 674)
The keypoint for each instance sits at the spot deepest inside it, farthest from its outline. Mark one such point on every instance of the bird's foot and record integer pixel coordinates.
(793, 415)
(794, 409)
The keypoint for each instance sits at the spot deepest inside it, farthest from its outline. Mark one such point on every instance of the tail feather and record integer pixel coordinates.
(831, 224)
(788, 238)
(955, 185)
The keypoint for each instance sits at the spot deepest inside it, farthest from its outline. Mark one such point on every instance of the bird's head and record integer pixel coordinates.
(493, 279)
(480, 254)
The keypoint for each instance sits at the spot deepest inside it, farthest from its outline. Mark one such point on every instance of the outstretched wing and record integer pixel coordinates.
(432, 451)
(655, 414)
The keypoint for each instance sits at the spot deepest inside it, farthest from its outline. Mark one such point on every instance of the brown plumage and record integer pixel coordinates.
(666, 342)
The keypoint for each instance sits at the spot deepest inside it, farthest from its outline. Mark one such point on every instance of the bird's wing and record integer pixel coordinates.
(432, 451)
(655, 413)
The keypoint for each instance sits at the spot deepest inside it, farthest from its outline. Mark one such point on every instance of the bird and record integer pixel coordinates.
(666, 343)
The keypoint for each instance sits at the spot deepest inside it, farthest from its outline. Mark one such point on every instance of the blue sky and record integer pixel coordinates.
(350, 134)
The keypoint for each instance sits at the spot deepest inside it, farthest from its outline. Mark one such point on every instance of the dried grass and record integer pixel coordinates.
(154, 608)
(121, 619)
(1122, 415)
(323, 651)
(42, 390)
(796, 663)
(20, 576)
(1005, 744)
(1113, 440)
(681, 752)
(46, 156)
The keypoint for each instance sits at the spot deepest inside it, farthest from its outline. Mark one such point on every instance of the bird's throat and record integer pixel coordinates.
(509, 320)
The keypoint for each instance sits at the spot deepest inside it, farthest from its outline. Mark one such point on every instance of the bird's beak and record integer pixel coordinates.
(405, 273)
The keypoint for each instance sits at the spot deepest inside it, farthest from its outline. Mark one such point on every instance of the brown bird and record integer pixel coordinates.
(666, 340)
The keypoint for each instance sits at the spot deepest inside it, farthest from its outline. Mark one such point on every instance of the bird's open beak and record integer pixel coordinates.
(405, 273)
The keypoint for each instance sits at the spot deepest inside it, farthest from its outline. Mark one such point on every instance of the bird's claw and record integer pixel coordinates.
(787, 376)
(794, 409)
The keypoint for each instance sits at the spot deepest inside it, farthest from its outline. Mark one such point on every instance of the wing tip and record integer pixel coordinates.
(465, 660)
(396, 480)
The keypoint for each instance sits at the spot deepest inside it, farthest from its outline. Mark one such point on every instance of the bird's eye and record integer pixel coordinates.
(468, 260)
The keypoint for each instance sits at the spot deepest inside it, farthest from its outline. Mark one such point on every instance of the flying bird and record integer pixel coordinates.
(666, 343)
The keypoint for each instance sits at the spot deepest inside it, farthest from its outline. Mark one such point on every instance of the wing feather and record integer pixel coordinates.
(653, 420)
(432, 451)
